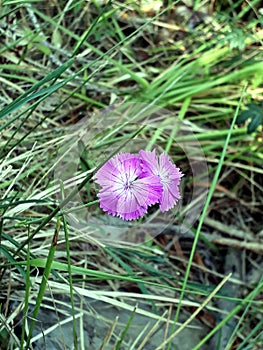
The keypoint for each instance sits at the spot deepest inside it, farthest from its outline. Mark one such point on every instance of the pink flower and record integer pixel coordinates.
(168, 173)
(125, 193)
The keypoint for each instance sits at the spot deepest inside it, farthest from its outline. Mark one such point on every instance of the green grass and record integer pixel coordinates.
(171, 83)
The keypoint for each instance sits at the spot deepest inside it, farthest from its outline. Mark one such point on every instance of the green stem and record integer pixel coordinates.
(43, 284)
(208, 200)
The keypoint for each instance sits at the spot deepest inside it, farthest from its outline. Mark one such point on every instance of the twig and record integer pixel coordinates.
(229, 230)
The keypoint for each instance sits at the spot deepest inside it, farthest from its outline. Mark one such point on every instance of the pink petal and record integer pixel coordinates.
(149, 162)
(124, 193)
(169, 175)
(170, 178)
(170, 196)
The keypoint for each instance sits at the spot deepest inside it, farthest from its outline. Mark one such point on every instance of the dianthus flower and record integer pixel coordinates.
(124, 191)
(168, 173)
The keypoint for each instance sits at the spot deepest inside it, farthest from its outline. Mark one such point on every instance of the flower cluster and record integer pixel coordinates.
(132, 182)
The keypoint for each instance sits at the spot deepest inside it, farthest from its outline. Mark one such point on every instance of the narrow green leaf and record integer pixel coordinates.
(47, 269)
